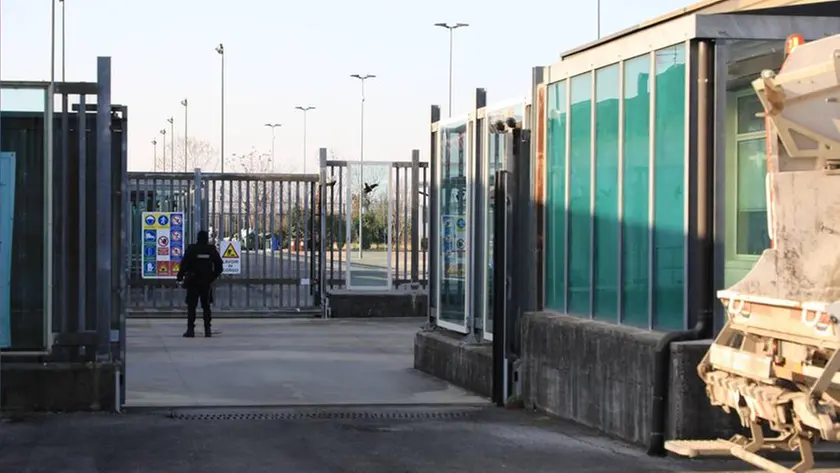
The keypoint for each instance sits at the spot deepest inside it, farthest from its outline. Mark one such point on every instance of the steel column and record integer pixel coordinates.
(104, 210)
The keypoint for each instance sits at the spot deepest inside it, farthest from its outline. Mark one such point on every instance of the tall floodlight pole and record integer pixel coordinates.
(52, 43)
(304, 110)
(163, 147)
(272, 126)
(221, 50)
(171, 121)
(63, 41)
(184, 103)
(154, 143)
(598, 18)
(362, 78)
(451, 28)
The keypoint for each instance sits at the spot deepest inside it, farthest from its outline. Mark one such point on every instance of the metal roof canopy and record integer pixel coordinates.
(710, 21)
(704, 7)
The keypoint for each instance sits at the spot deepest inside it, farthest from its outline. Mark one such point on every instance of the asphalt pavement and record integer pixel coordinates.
(417, 439)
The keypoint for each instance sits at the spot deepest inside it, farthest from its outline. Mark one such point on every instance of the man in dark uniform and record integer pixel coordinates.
(200, 266)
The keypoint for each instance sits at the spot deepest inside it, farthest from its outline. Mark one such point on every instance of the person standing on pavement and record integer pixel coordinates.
(200, 267)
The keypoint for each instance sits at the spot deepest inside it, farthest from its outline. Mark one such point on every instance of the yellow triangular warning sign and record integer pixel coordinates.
(230, 252)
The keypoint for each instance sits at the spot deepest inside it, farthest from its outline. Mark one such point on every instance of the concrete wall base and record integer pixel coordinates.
(601, 375)
(358, 304)
(58, 387)
(445, 355)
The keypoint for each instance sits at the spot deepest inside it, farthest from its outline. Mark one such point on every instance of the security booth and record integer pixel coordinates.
(648, 165)
(655, 160)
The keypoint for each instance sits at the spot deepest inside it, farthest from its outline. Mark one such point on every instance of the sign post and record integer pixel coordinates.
(163, 244)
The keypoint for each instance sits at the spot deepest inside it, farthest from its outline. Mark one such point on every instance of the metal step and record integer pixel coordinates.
(697, 448)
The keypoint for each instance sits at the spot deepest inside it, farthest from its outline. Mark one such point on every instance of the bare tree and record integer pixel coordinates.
(200, 154)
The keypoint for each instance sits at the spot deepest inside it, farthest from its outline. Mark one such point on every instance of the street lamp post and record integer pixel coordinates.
(171, 121)
(272, 126)
(163, 147)
(451, 28)
(362, 78)
(52, 44)
(221, 50)
(598, 18)
(304, 110)
(184, 103)
(154, 143)
(63, 41)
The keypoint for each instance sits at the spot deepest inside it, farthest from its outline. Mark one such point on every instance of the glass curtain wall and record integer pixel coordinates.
(615, 208)
(453, 224)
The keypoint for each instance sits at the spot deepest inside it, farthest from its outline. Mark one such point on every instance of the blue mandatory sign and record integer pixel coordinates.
(149, 251)
(150, 267)
(150, 235)
(150, 220)
(163, 220)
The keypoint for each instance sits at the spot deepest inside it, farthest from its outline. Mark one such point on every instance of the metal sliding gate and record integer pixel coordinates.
(275, 218)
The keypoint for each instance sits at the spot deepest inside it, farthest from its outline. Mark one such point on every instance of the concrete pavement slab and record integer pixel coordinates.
(280, 362)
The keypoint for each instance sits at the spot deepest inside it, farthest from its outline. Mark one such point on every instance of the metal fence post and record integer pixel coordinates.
(434, 217)
(104, 210)
(81, 245)
(322, 240)
(415, 218)
(197, 197)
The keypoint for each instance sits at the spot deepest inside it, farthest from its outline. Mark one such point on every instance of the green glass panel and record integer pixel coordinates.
(453, 223)
(635, 251)
(752, 199)
(580, 162)
(669, 192)
(555, 211)
(606, 242)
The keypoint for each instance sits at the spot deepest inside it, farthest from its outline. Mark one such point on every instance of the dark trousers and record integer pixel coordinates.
(194, 295)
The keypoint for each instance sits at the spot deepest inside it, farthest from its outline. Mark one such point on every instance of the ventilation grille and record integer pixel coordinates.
(303, 414)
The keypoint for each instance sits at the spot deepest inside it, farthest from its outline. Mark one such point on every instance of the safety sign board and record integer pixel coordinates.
(231, 257)
(163, 244)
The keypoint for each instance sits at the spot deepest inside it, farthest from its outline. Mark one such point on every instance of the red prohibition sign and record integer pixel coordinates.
(163, 240)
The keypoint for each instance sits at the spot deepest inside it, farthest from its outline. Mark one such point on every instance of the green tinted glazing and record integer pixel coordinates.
(605, 299)
(579, 195)
(635, 254)
(555, 211)
(669, 192)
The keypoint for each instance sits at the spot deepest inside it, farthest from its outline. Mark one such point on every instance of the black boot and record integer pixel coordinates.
(190, 333)
(207, 331)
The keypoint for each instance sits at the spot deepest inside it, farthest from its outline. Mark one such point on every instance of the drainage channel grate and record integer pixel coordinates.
(327, 415)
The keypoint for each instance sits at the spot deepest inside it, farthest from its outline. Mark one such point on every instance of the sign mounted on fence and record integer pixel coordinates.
(163, 244)
(231, 252)
(454, 240)
(7, 213)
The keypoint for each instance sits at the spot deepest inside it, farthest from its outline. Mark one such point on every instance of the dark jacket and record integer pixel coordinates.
(201, 265)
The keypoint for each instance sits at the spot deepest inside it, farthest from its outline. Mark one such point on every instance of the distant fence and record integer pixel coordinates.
(409, 220)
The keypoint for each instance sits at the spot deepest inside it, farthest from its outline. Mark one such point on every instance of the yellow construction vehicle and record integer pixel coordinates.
(776, 360)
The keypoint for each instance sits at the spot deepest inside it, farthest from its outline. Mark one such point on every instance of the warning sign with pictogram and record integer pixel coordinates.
(231, 257)
(162, 234)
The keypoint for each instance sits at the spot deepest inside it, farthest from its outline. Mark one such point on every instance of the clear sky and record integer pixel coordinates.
(280, 54)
